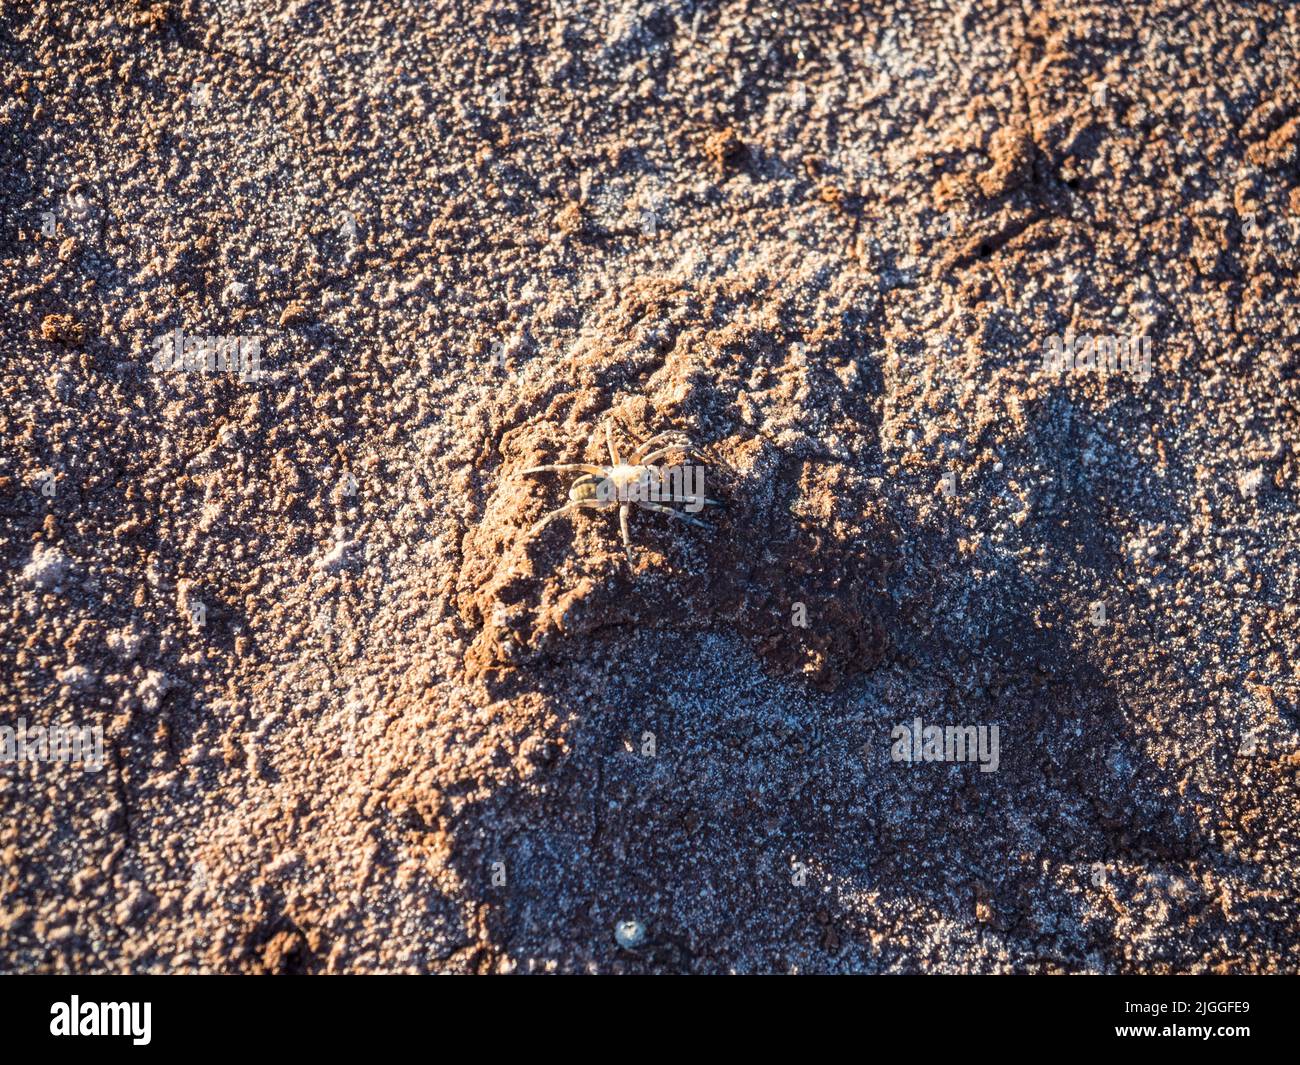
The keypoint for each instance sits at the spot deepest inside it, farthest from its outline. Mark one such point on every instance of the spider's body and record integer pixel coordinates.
(626, 484)
(619, 482)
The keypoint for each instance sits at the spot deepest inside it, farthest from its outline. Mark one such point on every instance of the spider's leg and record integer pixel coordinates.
(693, 499)
(567, 467)
(675, 513)
(685, 449)
(646, 445)
(628, 432)
(675, 486)
(613, 451)
(622, 524)
(568, 508)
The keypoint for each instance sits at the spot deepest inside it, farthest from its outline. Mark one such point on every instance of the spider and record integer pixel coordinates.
(622, 484)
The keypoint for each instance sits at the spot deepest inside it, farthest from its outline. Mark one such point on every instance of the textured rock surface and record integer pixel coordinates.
(356, 720)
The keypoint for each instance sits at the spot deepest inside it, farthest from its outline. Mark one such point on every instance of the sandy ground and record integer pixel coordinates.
(357, 718)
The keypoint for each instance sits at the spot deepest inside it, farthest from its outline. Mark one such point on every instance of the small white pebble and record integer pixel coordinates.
(47, 566)
(629, 934)
(79, 678)
(1249, 482)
